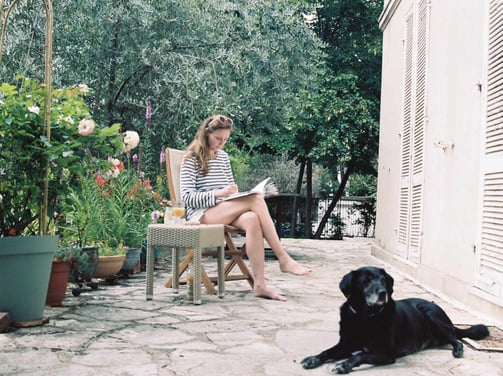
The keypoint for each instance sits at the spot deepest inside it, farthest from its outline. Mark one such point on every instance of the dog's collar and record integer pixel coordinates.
(352, 309)
(372, 315)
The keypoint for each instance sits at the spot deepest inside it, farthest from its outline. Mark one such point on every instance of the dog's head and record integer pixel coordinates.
(367, 289)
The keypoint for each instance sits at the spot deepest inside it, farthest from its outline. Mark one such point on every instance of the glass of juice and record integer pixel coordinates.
(178, 212)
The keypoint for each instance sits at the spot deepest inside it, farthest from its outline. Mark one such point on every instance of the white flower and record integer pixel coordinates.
(34, 109)
(131, 140)
(84, 88)
(116, 162)
(86, 127)
(115, 172)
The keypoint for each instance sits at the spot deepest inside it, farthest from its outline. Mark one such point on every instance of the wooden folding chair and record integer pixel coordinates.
(174, 159)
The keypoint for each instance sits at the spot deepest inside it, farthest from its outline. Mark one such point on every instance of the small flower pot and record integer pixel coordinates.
(109, 266)
(58, 283)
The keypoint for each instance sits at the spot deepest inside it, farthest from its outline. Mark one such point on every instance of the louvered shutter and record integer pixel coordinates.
(419, 125)
(490, 268)
(414, 119)
(405, 170)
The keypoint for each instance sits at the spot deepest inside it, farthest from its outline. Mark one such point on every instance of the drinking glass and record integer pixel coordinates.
(168, 215)
(178, 212)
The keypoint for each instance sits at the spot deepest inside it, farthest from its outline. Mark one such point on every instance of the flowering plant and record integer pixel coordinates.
(111, 209)
(158, 215)
(76, 144)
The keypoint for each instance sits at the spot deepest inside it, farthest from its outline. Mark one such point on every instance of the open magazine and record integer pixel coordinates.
(266, 187)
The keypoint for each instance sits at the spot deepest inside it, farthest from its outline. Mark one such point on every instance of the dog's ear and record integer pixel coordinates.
(345, 284)
(389, 282)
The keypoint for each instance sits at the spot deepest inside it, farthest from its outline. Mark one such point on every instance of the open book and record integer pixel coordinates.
(265, 187)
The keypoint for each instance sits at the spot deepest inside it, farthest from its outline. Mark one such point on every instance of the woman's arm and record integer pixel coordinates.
(193, 197)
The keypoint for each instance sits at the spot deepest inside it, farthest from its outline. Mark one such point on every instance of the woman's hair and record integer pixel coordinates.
(199, 148)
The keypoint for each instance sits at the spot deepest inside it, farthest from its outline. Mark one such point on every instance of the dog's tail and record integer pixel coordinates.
(476, 332)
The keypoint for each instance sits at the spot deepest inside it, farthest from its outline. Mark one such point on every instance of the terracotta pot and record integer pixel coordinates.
(108, 266)
(57, 283)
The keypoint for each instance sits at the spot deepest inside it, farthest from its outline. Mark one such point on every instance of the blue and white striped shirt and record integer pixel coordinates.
(198, 190)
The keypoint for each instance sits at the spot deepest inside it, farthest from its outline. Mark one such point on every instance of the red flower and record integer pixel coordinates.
(100, 181)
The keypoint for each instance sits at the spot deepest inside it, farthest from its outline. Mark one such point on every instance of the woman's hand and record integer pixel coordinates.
(226, 191)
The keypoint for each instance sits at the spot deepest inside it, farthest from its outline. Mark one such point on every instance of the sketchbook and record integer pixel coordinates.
(266, 187)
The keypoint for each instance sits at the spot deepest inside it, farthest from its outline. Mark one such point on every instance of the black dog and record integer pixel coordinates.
(375, 329)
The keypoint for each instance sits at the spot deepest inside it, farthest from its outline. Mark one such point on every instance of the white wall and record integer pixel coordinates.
(455, 107)
(455, 110)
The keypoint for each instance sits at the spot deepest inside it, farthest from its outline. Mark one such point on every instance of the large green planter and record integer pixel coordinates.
(25, 267)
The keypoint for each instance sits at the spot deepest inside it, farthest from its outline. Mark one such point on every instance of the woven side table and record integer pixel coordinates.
(196, 237)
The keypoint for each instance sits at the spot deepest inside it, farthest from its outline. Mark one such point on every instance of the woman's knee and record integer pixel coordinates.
(258, 200)
(249, 221)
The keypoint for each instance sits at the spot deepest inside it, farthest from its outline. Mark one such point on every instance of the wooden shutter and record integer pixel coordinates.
(413, 126)
(490, 268)
(405, 170)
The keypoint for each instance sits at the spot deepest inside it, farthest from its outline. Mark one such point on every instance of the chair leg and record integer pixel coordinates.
(150, 273)
(207, 283)
(196, 270)
(244, 269)
(179, 269)
(175, 257)
(220, 270)
(237, 259)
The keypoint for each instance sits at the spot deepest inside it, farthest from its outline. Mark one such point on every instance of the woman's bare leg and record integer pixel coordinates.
(249, 222)
(228, 212)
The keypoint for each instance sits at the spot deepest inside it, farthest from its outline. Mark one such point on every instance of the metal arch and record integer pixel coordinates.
(49, 13)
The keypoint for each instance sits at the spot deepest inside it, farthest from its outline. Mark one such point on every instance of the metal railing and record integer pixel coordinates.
(351, 217)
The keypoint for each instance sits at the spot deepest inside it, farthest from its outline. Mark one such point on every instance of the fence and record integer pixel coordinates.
(351, 217)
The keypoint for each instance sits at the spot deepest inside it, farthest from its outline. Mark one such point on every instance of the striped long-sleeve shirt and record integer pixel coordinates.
(198, 190)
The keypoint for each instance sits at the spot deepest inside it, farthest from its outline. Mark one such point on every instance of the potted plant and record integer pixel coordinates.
(36, 170)
(29, 163)
(112, 209)
(65, 258)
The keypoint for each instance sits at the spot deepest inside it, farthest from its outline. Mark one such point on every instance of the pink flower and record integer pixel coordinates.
(147, 185)
(86, 127)
(148, 111)
(117, 168)
(155, 215)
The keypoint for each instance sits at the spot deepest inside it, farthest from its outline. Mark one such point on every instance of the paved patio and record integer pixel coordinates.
(115, 331)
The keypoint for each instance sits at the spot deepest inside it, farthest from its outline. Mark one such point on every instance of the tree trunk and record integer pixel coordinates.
(308, 232)
(293, 221)
(334, 201)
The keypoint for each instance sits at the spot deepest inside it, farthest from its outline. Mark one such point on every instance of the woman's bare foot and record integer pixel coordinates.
(293, 267)
(267, 293)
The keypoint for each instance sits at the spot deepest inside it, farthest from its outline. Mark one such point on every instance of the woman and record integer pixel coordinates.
(206, 178)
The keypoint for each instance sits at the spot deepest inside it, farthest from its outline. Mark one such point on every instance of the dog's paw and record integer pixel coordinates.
(341, 368)
(311, 362)
(457, 350)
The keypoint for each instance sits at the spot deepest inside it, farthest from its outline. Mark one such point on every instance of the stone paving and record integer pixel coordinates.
(114, 331)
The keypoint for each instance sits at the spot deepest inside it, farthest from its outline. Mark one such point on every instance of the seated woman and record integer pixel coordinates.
(206, 178)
